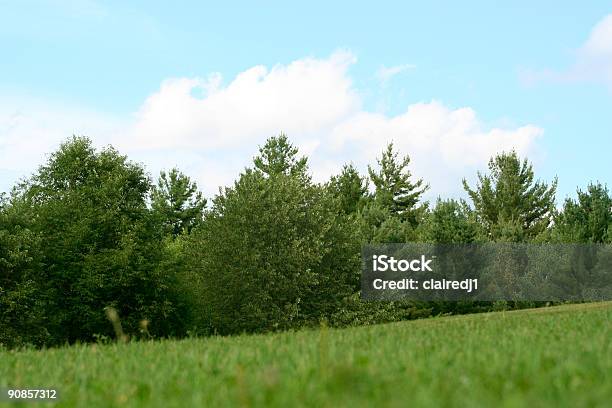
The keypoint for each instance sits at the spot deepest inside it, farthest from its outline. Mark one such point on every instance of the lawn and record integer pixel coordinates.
(557, 356)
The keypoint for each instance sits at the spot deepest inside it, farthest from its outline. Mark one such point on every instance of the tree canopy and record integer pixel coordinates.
(395, 188)
(509, 202)
(89, 231)
(588, 218)
(279, 156)
(177, 202)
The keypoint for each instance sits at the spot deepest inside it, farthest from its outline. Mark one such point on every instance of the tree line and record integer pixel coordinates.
(89, 231)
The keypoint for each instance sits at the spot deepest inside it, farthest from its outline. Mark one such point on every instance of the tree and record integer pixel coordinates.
(350, 188)
(274, 251)
(100, 247)
(22, 311)
(508, 202)
(394, 188)
(177, 202)
(279, 156)
(587, 219)
(378, 225)
(453, 222)
(450, 222)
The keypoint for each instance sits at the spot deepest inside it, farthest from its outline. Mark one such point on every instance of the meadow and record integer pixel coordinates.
(556, 356)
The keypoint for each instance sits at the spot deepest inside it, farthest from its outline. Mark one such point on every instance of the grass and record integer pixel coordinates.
(558, 357)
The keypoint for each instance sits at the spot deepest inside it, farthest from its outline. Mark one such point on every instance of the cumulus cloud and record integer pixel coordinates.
(593, 60)
(444, 144)
(211, 130)
(306, 96)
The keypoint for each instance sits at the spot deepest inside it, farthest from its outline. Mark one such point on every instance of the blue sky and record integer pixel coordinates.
(449, 82)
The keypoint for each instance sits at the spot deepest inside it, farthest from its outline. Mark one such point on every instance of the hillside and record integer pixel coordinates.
(558, 356)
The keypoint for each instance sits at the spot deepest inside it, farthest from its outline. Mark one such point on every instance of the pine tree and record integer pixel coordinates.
(588, 219)
(280, 238)
(279, 156)
(450, 221)
(394, 188)
(350, 188)
(177, 202)
(509, 203)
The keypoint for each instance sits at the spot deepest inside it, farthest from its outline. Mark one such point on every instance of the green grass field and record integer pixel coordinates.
(559, 356)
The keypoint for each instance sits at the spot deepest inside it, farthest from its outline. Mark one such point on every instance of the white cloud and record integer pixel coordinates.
(595, 56)
(211, 130)
(593, 60)
(444, 144)
(384, 74)
(30, 129)
(303, 97)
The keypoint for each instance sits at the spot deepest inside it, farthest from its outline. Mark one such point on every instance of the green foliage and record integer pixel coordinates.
(356, 312)
(177, 202)
(394, 188)
(378, 225)
(587, 219)
(100, 246)
(350, 189)
(583, 272)
(279, 156)
(274, 252)
(181, 288)
(509, 204)
(18, 245)
(394, 213)
(22, 311)
(451, 222)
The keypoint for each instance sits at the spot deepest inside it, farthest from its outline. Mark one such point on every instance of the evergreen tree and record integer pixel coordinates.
(378, 225)
(177, 202)
(587, 219)
(350, 188)
(394, 188)
(280, 239)
(508, 202)
(450, 222)
(279, 156)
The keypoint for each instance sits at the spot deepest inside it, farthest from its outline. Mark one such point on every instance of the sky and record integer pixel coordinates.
(200, 85)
